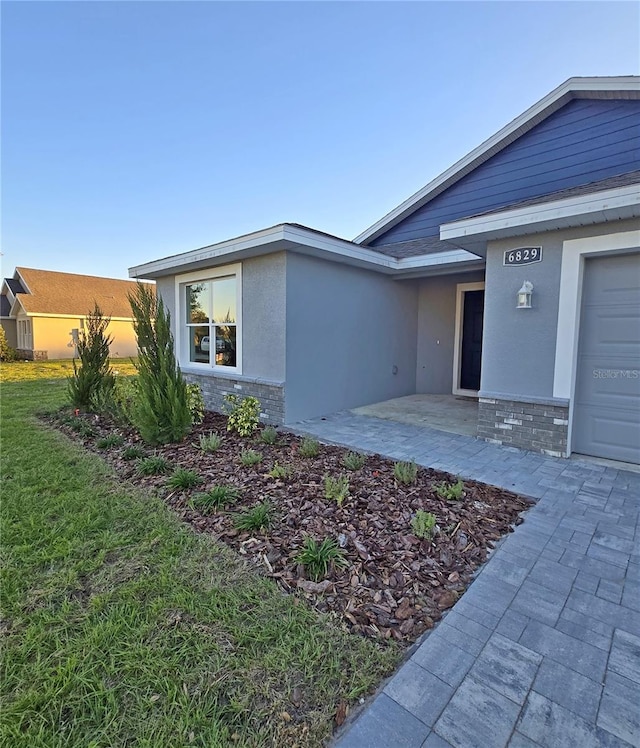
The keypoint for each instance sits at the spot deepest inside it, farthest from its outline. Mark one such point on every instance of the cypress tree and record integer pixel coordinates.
(161, 413)
(92, 380)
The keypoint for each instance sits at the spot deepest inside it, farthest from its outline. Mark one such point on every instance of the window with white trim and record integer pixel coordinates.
(25, 334)
(210, 314)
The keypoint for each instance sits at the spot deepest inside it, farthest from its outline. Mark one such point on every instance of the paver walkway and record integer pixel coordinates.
(544, 647)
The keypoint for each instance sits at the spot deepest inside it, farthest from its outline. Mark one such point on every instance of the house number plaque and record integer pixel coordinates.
(522, 256)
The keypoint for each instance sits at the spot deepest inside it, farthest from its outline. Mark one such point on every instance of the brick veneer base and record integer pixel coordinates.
(29, 355)
(540, 427)
(214, 388)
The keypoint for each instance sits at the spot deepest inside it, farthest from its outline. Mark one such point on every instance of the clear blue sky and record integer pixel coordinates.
(136, 130)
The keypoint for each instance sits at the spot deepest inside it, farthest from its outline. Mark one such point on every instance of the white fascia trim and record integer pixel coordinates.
(340, 247)
(596, 202)
(622, 83)
(294, 238)
(210, 252)
(16, 307)
(281, 237)
(23, 283)
(435, 259)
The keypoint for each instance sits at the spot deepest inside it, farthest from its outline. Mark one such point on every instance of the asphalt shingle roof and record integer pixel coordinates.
(55, 293)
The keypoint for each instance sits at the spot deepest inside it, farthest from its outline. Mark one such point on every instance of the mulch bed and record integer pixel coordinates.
(396, 585)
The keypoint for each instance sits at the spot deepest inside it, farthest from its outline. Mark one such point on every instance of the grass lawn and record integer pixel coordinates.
(121, 627)
(25, 371)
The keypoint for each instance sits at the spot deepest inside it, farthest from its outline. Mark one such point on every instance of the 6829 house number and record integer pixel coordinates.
(522, 256)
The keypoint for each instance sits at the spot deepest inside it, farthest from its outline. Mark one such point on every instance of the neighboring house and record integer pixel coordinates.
(44, 311)
(425, 300)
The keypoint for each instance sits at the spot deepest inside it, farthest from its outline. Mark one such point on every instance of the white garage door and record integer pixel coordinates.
(606, 416)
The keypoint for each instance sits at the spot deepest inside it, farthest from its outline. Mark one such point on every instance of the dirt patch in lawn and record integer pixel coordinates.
(395, 585)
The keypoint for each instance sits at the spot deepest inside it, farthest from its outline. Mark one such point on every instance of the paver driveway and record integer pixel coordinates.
(544, 647)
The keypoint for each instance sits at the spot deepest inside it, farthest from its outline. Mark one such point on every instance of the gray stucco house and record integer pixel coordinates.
(513, 277)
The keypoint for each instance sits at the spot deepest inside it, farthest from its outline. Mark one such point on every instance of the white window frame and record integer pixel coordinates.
(25, 334)
(461, 290)
(182, 339)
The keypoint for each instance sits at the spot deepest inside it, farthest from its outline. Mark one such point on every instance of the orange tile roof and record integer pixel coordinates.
(55, 293)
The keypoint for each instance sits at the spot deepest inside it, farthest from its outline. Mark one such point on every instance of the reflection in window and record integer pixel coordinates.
(199, 346)
(211, 314)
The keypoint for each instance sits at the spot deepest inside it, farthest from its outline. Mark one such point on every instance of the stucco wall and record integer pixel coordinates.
(346, 331)
(436, 331)
(52, 334)
(165, 288)
(519, 345)
(264, 299)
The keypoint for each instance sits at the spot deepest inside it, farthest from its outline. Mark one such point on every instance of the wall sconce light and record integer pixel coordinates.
(524, 296)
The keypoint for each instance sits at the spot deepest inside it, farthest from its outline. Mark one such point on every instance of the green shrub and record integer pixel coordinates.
(162, 413)
(450, 491)
(183, 478)
(112, 440)
(7, 353)
(317, 558)
(269, 435)
(258, 517)
(90, 385)
(309, 447)
(217, 498)
(124, 398)
(280, 471)
(154, 465)
(354, 460)
(405, 472)
(249, 457)
(210, 442)
(132, 453)
(243, 414)
(423, 524)
(196, 403)
(79, 425)
(336, 489)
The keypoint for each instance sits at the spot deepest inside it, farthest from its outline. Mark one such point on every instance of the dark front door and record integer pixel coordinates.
(472, 317)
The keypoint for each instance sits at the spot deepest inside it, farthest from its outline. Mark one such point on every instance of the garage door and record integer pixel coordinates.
(606, 416)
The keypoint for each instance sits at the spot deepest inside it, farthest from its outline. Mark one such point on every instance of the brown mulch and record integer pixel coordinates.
(396, 585)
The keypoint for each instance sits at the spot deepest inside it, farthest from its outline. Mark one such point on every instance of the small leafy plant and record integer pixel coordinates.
(317, 558)
(280, 471)
(210, 442)
(182, 478)
(132, 453)
(79, 425)
(269, 435)
(249, 457)
(423, 524)
(217, 498)
(258, 517)
(112, 440)
(309, 447)
(354, 460)
(195, 402)
(243, 415)
(450, 491)
(405, 472)
(154, 465)
(336, 489)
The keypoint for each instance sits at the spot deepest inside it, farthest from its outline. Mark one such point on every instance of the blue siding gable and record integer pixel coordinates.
(585, 141)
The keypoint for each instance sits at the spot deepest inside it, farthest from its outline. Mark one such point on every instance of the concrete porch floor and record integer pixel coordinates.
(451, 413)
